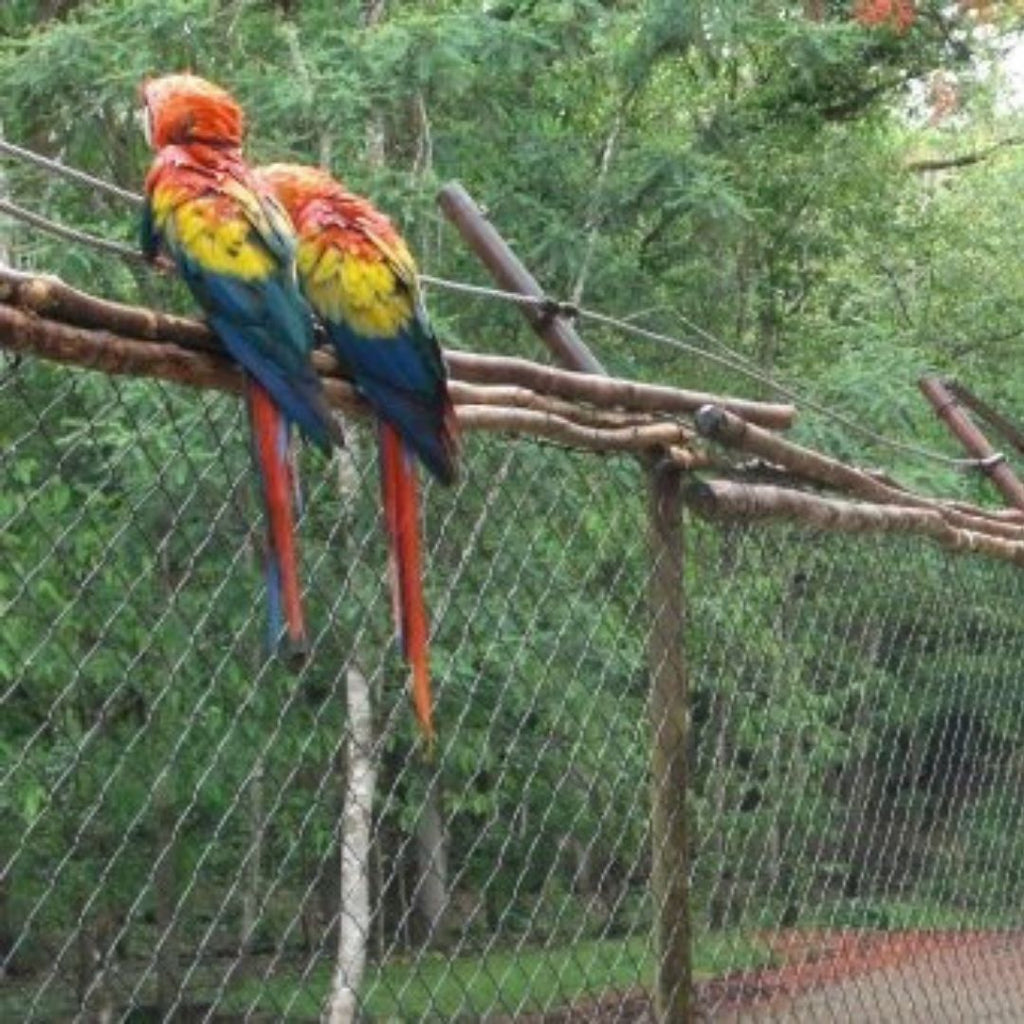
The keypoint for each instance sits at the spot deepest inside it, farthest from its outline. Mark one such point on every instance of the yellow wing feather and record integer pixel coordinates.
(366, 295)
(221, 245)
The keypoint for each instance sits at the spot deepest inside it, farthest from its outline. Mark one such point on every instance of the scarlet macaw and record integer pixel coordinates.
(359, 277)
(235, 248)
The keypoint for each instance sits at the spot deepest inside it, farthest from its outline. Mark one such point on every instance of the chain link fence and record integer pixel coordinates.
(176, 804)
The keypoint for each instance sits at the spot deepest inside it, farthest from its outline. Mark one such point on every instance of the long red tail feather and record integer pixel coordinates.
(401, 518)
(273, 453)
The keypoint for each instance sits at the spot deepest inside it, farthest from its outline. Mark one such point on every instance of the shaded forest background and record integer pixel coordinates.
(832, 189)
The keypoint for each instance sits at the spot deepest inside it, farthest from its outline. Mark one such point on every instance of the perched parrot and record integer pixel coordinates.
(235, 248)
(359, 277)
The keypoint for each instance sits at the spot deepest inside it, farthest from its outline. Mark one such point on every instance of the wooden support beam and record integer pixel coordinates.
(669, 703)
(720, 425)
(669, 725)
(995, 419)
(974, 441)
(510, 273)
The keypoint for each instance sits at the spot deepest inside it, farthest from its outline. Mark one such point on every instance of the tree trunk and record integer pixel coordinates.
(373, 14)
(357, 819)
(164, 885)
(721, 900)
(5, 239)
(431, 897)
(250, 895)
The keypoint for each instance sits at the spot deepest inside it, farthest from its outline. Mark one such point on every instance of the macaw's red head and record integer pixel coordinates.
(295, 185)
(184, 109)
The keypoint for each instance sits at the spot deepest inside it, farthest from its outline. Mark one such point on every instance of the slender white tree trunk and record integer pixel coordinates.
(5, 239)
(360, 766)
(593, 223)
(251, 891)
(356, 821)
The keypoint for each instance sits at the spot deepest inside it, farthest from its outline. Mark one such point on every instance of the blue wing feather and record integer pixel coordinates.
(265, 324)
(266, 327)
(402, 388)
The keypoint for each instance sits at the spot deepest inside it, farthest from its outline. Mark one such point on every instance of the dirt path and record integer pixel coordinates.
(929, 977)
(953, 977)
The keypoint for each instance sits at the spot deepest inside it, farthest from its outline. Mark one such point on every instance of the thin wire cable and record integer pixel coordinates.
(71, 173)
(734, 362)
(795, 396)
(71, 234)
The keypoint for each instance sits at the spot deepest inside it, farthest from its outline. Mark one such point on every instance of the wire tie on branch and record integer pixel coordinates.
(988, 464)
(552, 308)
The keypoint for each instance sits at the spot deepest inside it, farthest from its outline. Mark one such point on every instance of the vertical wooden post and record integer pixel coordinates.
(669, 719)
(973, 440)
(669, 710)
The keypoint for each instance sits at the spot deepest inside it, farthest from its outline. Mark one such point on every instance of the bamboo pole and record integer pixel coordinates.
(973, 440)
(723, 500)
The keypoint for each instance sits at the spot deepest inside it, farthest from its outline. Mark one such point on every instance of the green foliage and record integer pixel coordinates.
(759, 183)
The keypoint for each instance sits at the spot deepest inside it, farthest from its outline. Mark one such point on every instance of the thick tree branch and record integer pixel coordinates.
(722, 500)
(720, 425)
(964, 160)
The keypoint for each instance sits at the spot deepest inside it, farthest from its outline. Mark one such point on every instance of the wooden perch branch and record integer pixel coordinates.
(722, 500)
(52, 298)
(720, 425)
(511, 410)
(55, 300)
(638, 438)
(511, 395)
(609, 391)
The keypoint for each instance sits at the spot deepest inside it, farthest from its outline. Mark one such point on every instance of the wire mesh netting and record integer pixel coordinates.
(190, 831)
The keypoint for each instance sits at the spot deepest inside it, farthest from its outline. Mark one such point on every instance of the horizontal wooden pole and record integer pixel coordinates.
(514, 396)
(720, 425)
(52, 298)
(726, 501)
(528, 422)
(58, 301)
(478, 407)
(609, 391)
